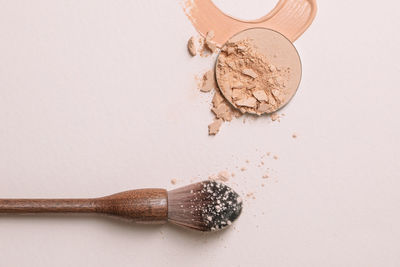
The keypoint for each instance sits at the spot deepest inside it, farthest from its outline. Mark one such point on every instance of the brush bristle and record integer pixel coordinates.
(204, 206)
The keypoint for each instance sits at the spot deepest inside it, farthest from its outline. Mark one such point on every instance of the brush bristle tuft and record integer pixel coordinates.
(204, 206)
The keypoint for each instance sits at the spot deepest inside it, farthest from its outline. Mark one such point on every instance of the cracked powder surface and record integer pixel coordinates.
(249, 81)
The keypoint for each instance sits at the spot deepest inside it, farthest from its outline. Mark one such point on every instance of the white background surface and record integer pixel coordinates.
(99, 96)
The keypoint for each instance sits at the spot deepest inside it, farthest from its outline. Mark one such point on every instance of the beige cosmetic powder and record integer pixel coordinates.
(258, 71)
(289, 17)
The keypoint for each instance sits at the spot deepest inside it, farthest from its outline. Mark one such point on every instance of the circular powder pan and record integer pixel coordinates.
(277, 51)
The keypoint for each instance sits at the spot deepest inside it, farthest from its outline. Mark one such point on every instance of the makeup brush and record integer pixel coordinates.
(204, 206)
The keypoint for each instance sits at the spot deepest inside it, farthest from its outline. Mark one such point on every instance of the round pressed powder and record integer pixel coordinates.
(258, 71)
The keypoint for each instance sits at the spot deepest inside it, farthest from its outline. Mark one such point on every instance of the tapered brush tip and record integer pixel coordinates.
(205, 206)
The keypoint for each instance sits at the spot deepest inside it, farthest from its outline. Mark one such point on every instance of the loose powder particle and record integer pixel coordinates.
(208, 82)
(191, 47)
(251, 195)
(210, 45)
(207, 45)
(213, 128)
(294, 136)
(249, 81)
(275, 116)
(293, 18)
(222, 176)
(173, 181)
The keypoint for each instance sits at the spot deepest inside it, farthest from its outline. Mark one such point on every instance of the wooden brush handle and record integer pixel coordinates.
(142, 205)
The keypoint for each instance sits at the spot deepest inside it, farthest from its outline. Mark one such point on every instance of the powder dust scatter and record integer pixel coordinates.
(251, 195)
(162, 235)
(222, 176)
(208, 82)
(173, 181)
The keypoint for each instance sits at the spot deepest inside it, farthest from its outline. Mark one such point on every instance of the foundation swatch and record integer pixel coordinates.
(289, 17)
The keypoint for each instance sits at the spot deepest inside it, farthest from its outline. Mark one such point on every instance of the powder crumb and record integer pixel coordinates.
(265, 176)
(268, 154)
(262, 185)
(275, 116)
(250, 102)
(224, 176)
(262, 162)
(213, 128)
(210, 35)
(249, 81)
(275, 157)
(243, 169)
(173, 181)
(247, 161)
(210, 45)
(250, 72)
(208, 81)
(233, 174)
(251, 195)
(294, 136)
(191, 47)
(260, 95)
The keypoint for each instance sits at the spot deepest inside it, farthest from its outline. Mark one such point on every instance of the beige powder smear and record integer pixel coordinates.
(289, 17)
